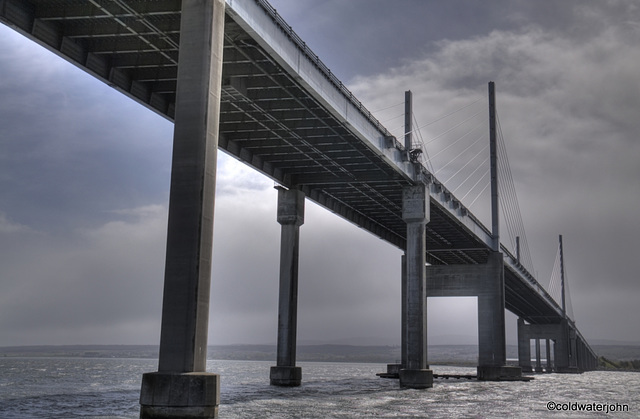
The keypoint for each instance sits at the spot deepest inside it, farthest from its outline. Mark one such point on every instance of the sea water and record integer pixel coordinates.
(109, 388)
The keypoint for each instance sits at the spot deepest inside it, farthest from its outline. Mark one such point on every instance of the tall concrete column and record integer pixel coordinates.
(403, 307)
(415, 212)
(581, 355)
(573, 351)
(560, 352)
(564, 349)
(524, 347)
(492, 357)
(548, 348)
(538, 358)
(181, 388)
(393, 370)
(291, 217)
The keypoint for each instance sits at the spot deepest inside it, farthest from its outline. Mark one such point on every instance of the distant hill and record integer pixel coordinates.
(618, 352)
(82, 351)
(327, 353)
(442, 354)
(438, 354)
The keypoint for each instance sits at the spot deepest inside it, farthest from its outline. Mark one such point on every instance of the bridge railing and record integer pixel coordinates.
(287, 29)
(529, 277)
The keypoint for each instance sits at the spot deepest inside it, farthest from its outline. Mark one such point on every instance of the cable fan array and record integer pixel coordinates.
(456, 151)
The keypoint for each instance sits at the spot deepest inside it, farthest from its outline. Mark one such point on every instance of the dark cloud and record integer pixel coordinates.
(566, 107)
(364, 37)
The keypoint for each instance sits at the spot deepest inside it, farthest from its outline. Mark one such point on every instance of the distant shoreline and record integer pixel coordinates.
(459, 355)
(451, 354)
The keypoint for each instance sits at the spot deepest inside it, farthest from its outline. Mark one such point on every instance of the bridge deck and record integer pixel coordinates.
(283, 113)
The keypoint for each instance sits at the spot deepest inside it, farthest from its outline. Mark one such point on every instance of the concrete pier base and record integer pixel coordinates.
(394, 368)
(498, 373)
(526, 368)
(179, 395)
(416, 378)
(393, 371)
(285, 376)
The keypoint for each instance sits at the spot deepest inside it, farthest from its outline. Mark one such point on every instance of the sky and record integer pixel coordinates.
(84, 178)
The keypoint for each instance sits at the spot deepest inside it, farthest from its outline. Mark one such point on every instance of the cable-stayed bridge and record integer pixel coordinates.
(233, 75)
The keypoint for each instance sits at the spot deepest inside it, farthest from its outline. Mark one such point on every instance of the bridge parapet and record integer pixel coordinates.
(314, 58)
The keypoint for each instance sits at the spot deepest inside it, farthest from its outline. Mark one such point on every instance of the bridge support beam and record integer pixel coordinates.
(182, 388)
(487, 283)
(290, 217)
(548, 349)
(415, 212)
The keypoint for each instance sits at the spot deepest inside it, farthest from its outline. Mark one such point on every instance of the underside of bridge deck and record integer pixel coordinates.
(267, 119)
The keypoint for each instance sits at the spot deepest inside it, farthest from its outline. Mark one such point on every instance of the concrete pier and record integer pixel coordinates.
(492, 357)
(290, 217)
(569, 352)
(524, 347)
(393, 370)
(415, 212)
(570, 349)
(181, 388)
(487, 283)
(538, 358)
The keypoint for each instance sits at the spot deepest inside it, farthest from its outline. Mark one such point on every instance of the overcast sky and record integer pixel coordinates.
(84, 177)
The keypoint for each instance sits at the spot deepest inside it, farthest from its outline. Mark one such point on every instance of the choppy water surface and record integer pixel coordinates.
(109, 388)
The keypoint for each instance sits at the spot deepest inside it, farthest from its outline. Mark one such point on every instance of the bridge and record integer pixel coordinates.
(233, 75)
